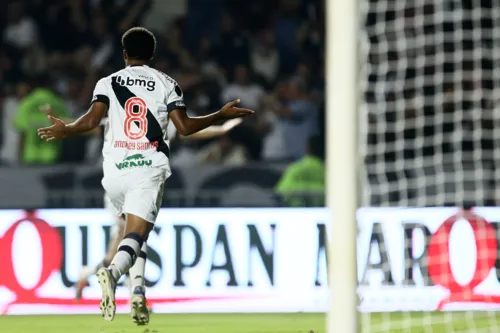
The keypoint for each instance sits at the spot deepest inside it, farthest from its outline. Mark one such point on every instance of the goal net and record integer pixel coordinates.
(428, 258)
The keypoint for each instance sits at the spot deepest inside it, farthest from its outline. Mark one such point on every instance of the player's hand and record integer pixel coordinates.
(54, 132)
(230, 111)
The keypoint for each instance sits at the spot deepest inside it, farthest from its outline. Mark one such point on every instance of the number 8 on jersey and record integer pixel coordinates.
(136, 111)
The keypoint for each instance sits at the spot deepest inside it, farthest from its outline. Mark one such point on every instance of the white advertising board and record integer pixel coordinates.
(257, 260)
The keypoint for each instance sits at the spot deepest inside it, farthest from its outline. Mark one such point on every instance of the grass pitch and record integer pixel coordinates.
(436, 322)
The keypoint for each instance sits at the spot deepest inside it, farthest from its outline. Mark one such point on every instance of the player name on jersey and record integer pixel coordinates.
(131, 145)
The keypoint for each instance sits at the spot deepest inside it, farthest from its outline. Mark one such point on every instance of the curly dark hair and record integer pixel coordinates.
(139, 43)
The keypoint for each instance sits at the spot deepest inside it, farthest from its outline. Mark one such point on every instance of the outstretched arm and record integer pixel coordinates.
(47, 109)
(189, 125)
(89, 121)
(86, 123)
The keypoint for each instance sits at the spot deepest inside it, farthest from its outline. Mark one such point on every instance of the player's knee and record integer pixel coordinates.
(138, 226)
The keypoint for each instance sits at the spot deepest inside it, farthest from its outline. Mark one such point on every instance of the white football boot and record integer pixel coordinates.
(108, 285)
(140, 311)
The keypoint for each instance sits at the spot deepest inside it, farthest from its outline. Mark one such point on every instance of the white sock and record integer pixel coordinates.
(128, 250)
(137, 271)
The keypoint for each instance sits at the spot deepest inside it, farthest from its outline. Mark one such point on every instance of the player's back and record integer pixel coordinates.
(140, 98)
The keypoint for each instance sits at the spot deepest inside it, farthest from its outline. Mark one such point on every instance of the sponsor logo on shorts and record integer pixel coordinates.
(133, 161)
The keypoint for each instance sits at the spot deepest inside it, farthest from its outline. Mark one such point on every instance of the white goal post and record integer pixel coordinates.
(342, 158)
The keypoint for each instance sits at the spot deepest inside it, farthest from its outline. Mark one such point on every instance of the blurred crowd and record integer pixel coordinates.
(268, 53)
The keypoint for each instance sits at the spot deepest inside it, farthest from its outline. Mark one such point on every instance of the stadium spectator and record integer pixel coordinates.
(251, 94)
(270, 126)
(303, 182)
(21, 30)
(30, 115)
(265, 60)
(9, 153)
(297, 117)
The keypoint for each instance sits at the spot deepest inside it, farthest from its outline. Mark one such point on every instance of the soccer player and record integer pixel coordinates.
(119, 225)
(139, 102)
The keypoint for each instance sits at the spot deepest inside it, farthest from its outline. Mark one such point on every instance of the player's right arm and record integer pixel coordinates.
(189, 125)
(49, 111)
(86, 123)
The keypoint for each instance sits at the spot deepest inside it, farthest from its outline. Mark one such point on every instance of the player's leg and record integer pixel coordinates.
(136, 232)
(140, 206)
(140, 311)
(136, 272)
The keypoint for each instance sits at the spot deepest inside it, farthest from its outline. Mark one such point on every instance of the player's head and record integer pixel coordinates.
(138, 44)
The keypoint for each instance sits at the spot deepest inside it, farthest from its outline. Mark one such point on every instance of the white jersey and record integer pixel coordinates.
(139, 99)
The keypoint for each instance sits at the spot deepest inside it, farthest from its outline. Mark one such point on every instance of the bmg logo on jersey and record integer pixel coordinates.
(130, 82)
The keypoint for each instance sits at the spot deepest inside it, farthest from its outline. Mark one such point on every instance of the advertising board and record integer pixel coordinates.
(257, 260)
(203, 260)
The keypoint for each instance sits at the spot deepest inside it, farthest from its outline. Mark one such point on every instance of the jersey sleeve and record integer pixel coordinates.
(100, 93)
(175, 99)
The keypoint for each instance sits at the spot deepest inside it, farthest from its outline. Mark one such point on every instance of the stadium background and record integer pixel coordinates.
(424, 143)
(216, 50)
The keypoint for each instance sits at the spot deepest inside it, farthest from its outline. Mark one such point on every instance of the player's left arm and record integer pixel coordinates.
(86, 123)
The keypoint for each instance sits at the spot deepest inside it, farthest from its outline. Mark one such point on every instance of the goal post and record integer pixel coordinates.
(342, 157)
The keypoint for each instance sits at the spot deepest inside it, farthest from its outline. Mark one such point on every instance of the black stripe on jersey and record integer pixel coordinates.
(154, 133)
(100, 98)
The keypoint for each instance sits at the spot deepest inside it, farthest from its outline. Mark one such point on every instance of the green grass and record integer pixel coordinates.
(436, 322)
(207, 323)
